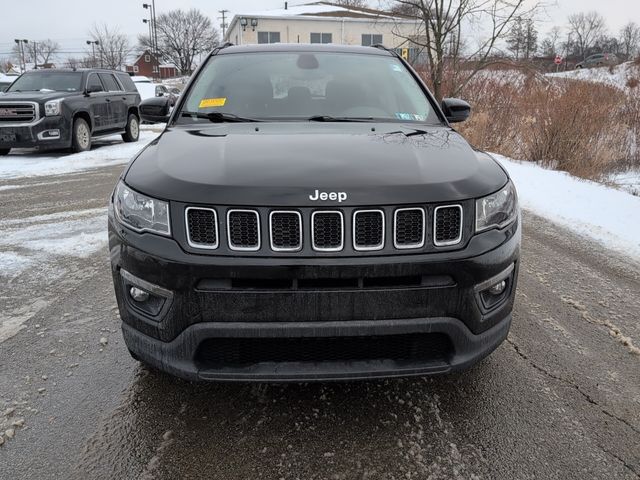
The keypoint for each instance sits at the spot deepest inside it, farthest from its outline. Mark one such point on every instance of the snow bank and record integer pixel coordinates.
(621, 74)
(106, 152)
(607, 215)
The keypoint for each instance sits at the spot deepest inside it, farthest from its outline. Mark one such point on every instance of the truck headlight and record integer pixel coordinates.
(139, 212)
(498, 209)
(53, 107)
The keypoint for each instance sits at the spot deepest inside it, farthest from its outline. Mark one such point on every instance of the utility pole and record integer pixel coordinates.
(35, 55)
(21, 43)
(223, 25)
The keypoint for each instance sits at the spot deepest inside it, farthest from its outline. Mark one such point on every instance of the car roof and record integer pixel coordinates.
(301, 47)
(76, 70)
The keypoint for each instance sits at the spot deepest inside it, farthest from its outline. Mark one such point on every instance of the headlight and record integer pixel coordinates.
(53, 107)
(498, 209)
(141, 213)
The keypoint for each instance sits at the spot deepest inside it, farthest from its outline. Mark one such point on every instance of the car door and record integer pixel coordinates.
(117, 101)
(98, 100)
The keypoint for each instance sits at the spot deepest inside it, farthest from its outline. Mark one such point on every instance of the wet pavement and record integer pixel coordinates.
(559, 400)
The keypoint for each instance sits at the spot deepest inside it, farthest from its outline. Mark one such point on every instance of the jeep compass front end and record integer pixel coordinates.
(309, 214)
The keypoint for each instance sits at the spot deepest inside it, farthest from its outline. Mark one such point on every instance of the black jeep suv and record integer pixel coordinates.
(66, 108)
(309, 214)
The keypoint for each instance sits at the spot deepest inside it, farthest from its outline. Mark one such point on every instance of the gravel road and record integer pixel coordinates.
(560, 399)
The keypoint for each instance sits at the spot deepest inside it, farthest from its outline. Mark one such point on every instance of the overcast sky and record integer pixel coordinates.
(67, 21)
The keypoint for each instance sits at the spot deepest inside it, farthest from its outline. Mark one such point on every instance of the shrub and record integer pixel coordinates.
(587, 129)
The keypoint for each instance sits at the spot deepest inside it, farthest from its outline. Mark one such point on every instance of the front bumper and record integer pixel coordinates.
(204, 329)
(47, 133)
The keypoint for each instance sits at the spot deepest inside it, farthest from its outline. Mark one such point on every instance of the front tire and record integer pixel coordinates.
(132, 130)
(81, 136)
(4, 151)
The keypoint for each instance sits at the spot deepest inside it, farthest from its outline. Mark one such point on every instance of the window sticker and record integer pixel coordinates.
(420, 118)
(212, 102)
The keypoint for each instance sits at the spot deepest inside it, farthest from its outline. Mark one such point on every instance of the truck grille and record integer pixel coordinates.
(348, 230)
(327, 231)
(25, 112)
(409, 228)
(286, 231)
(244, 352)
(243, 227)
(447, 225)
(368, 230)
(202, 227)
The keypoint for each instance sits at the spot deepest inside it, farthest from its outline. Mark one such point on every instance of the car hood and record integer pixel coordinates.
(40, 96)
(282, 164)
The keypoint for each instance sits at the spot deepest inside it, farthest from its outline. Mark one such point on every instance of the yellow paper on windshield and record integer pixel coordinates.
(212, 102)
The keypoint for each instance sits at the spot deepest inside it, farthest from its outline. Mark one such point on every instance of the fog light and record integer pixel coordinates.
(498, 288)
(138, 294)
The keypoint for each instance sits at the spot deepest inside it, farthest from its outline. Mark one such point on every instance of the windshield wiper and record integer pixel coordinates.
(329, 118)
(220, 117)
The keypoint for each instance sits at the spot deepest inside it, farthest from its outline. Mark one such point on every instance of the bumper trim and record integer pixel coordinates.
(174, 357)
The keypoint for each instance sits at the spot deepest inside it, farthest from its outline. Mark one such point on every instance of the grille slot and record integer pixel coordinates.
(244, 352)
(447, 225)
(18, 112)
(286, 231)
(368, 230)
(202, 227)
(327, 232)
(243, 230)
(409, 224)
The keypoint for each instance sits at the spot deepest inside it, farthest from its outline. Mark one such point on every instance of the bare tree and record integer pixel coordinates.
(550, 46)
(112, 48)
(630, 39)
(440, 35)
(586, 29)
(40, 52)
(182, 36)
(46, 50)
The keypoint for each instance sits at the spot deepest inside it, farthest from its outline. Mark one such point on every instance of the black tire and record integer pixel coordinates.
(4, 151)
(81, 136)
(134, 356)
(132, 130)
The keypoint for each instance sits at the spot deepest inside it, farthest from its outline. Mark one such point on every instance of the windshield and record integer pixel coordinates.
(56, 81)
(299, 86)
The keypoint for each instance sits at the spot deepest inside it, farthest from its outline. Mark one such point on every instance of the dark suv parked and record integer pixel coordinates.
(66, 108)
(310, 214)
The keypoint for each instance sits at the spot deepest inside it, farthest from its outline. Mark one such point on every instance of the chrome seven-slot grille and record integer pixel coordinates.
(328, 232)
(14, 112)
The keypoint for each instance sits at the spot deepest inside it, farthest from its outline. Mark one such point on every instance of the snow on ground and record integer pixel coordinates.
(43, 239)
(44, 246)
(621, 74)
(605, 214)
(629, 181)
(107, 151)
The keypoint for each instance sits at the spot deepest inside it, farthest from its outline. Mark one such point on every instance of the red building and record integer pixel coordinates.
(148, 65)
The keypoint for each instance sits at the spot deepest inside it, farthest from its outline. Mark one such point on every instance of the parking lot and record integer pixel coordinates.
(559, 399)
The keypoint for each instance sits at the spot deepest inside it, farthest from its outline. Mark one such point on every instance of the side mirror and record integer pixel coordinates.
(94, 88)
(455, 110)
(155, 110)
